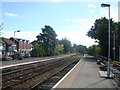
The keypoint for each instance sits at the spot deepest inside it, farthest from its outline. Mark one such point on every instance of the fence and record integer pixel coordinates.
(114, 67)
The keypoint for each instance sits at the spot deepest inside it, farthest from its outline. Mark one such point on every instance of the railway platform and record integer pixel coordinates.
(86, 74)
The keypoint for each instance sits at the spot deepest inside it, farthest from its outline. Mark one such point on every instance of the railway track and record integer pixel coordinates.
(50, 82)
(21, 75)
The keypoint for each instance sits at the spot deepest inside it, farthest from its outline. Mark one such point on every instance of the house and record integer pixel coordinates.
(23, 46)
(8, 47)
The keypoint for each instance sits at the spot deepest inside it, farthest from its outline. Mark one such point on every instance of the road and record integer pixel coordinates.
(85, 75)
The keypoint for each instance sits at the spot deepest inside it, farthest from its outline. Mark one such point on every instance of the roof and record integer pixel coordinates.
(34, 42)
(18, 39)
(8, 41)
(21, 39)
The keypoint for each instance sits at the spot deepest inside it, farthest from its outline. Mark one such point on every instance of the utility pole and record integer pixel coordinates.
(108, 63)
(14, 42)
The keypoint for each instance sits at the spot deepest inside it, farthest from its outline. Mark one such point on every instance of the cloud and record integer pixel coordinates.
(91, 6)
(28, 35)
(76, 37)
(76, 32)
(11, 14)
(80, 23)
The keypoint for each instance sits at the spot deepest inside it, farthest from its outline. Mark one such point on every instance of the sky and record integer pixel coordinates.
(68, 19)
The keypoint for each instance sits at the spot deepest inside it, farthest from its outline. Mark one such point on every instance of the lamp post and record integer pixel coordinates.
(108, 63)
(14, 34)
(14, 38)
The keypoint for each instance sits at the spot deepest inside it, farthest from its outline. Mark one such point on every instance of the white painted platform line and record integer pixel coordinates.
(7, 66)
(65, 76)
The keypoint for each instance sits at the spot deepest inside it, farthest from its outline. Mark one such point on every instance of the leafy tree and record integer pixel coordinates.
(48, 40)
(117, 38)
(67, 45)
(80, 48)
(37, 51)
(118, 33)
(100, 32)
(75, 46)
(59, 49)
(73, 50)
(94, 50)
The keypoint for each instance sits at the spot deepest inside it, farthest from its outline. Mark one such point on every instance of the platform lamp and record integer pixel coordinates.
(108, 63)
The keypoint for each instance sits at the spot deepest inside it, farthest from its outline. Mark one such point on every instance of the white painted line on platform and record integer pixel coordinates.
(25, 63)
(65, 76)
(7, 66)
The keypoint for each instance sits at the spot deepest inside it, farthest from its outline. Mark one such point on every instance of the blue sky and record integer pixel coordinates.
(69, 19)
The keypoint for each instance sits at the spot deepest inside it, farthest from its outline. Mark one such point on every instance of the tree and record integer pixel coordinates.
(100, 32)
(37, 51)
(80, 48)
(73, 50)
(48, 40)
(67, 45)
(94, 50)
(117, 38)
(59, 49)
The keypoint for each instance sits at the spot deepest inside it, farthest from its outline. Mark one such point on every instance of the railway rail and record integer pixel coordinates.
(18, 76)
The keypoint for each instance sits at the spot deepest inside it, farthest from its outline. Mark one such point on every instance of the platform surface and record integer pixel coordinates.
(86, 74)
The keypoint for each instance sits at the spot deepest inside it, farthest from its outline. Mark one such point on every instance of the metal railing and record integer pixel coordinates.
(114, 67)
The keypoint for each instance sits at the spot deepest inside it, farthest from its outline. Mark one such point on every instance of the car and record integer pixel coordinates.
(6, 58)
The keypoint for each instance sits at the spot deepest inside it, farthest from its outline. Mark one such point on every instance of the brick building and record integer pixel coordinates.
(23, 46)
